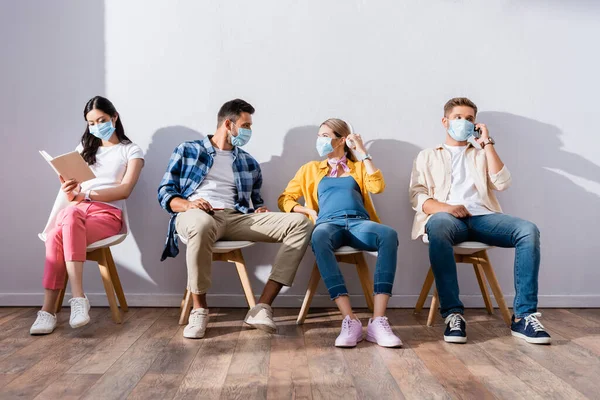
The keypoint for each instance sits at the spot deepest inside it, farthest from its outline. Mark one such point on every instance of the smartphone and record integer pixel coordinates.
(477, 133)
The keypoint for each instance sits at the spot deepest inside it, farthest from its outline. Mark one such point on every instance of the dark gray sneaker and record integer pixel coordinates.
(530, 329)
(456, 329)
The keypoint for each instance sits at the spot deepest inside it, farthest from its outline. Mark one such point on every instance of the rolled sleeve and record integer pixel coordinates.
(165, 200)
(375, 182)
(501, 180)
(169, 186)
(421, 199)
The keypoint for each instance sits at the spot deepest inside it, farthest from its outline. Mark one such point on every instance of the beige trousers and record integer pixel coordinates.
(203, 230)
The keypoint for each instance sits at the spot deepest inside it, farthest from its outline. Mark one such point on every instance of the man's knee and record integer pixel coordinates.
(528, 232)
(199, 225)
(300, 223)
(441, 227)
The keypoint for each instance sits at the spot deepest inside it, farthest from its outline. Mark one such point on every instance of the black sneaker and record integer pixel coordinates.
(456, 329)
(530, 329)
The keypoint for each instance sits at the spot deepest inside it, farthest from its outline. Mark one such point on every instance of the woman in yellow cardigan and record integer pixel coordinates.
(336, 191)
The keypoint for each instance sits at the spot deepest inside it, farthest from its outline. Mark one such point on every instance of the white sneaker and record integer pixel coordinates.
(350, 334)
(261, 317)
(197, 322)
(80, 308)
(44, 324)
(379, 331)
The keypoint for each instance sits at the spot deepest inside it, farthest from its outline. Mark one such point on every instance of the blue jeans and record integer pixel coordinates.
(361, 234)
(499, 230)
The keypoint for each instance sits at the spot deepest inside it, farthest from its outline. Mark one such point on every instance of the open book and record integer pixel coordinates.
(70, 166)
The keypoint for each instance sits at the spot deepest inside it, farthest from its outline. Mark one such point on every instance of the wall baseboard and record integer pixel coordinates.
(292, 301)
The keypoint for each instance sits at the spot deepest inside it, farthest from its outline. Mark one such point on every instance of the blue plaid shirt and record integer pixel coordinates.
(189, 165)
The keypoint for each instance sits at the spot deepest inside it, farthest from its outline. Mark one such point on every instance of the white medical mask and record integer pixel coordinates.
(460, 129)
(103, 130)
(324, 146)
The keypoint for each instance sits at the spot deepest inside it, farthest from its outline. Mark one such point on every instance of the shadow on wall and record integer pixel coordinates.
(298, 149)
(395, 158)
(148, 220)
(562, 209)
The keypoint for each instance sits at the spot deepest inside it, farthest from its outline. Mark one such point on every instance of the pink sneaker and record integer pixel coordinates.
(379, 331)
(351, 333)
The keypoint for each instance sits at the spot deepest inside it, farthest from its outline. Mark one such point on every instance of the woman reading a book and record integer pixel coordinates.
(94, 212)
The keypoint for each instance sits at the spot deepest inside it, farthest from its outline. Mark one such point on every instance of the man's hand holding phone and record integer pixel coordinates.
(481, 134)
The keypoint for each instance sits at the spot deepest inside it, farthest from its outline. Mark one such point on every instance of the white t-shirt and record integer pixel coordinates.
(110, 167)
(218, 186)
(462, 189)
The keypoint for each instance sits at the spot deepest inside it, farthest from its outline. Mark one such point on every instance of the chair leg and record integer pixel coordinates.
(493, 281)
(240, 263)
(315, 276)
(102, 259)
(484, 290)
(424, 291)
(435, 301)
(61, 295)
(114, 275)
(186, 308)
(365, 279)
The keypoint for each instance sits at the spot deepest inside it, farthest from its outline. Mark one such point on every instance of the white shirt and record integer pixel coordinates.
(218, 186)
(110, 167)
(462, 189)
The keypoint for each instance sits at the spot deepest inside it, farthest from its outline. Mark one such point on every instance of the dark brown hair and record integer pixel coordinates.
(232, 110)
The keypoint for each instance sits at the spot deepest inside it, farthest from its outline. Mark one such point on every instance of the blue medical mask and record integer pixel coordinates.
(461, 129)
(103, 130)
(324, 146)
(243, 137)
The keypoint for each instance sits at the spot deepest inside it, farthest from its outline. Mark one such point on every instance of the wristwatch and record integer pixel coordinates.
(87, 195)
(490, 140)
(365, 157)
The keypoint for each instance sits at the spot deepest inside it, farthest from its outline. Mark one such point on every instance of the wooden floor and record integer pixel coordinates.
(147, 358)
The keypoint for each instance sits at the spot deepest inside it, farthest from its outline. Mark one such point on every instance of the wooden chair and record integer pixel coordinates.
(228, 251)
(99, 252)
(345, 254)
(474, 253)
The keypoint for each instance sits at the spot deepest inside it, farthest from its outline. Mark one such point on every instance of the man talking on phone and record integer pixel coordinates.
(452, 191)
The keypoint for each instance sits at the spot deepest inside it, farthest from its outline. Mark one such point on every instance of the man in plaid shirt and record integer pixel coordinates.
(212, 191)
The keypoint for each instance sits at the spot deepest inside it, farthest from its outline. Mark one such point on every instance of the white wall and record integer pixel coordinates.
(388, 67)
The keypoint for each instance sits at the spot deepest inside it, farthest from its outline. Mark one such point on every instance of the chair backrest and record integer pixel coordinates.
(61, 202)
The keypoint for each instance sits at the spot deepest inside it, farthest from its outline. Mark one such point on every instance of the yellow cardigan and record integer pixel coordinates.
(306, 183)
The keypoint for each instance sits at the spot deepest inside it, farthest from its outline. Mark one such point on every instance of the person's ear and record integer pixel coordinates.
(115, 118)
(445, 122)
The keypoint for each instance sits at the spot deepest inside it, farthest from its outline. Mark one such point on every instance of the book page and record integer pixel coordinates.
(71, 166)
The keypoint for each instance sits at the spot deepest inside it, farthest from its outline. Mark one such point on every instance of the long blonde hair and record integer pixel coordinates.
(341, 129)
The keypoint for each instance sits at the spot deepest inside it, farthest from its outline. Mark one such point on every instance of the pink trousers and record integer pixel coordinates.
(77, 226)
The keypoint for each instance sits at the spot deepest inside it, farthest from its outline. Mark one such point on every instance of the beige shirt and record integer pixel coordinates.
(432, 178)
